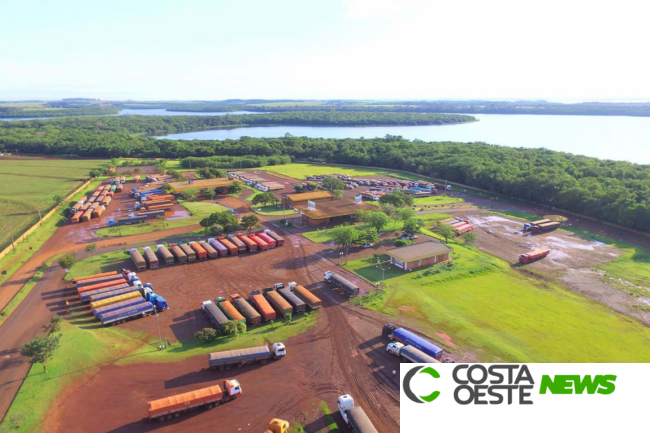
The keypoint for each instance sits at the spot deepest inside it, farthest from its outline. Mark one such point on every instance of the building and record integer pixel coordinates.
(420, 255)
(291, 200)
(219, 184)
(326, 211)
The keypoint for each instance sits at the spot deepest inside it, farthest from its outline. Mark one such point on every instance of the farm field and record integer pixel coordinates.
(29, 185)
(300, 171)
(482, 305)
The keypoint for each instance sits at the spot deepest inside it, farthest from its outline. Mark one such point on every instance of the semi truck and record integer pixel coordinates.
(98, 212)
(76, 217)
(529, 226)
(354, 416)
(407, 337)
(262, 245)
(534, 255)
(200, 252)
(86, 216)
(158, 301)
(172, 407)
(281, 306)
(250, 245)
(90, 281)
(215, 315)
(164, 254)
(78, 280)
(138, 260)
(239, 357)
(232, 248)
(221, 249)
(92, 287)
(279, 240)
(336, 280)
(546, 227)
(312, 301)
(178, 253)
(152, 214)
(298, 304)
(127, 221)
(229, 310)
(266, 238)
(409, 353)
(212, 253)
(151, 258)
(463, 229)
(241, 246)
(114, 300)
(262, 305)
(118, 306)
(252, 316)
(127, 313)
(189, 252)
(106, 292)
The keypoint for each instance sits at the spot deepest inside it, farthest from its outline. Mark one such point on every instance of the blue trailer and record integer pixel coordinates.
(158, 301)
(85, 297)
(127, 313)
(410, 339)
(98, 280)
(107, 295)
(153, 214)
(137, 194)
(114, 307)
(127, 221)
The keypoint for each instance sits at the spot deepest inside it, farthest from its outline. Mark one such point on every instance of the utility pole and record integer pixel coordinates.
(160, 342)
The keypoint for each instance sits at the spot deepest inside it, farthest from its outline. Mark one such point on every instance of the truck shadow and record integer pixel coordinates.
(209, 375)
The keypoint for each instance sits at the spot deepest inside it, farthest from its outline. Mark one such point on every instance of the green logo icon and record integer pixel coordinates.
(407, 384)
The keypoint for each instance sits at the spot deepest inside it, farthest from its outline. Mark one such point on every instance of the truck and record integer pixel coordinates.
(407, 337)
(312, 301)
(529, 226)
(221, 249)
(262, 305)
(546, 227)
(463, 229)
(298, 304)
(278, 426)
(215, 315)
(279, 240)
(239, 357)
(336, 280)
(96, 280)
(127, 221)
(189, 252)
(153, 214)
(127, 313)
(158, 301)
(250, 245)
(200, 252)
(172, 407)
(212, 253)
(137, 193)
(151, 258)
(266, 238)
(281, 306)
(85, 296)
(76, 217)
(410, 353)
(138, 260)
(178, 253)
(160, 207)
(92, 287)
(83, 278)
(229, 310)
(232, 248)
(354, 416)
(86, 216)
(241, 246)
(534, 255)
(164, 254)
(252, 317)
(114, 300)
(118, 306)
(108, 294)
(262, 245)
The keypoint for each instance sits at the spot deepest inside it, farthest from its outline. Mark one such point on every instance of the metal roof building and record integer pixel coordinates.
(420, 255)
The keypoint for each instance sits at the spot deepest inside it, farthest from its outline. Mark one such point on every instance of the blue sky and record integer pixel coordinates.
(352, 49)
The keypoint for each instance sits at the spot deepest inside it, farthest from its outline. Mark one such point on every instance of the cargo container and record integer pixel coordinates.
(232, 248)
(250, 245)
(239, 357)
(312, 301)
(215, 315)
(92, 287)
(85, 296)
(127, 313)
(266, 238)
(212, 253)
(252, 317)
(221, 249)
(200, 252)
(279, 240)
(114, 300)
(353, 416)
(336, 280)
(138, 260)
(119, 188)
(160, 207)
(281, 306)
(463, 229)
(298, 304)
(189, 252)
(86, 215)
(171, 407)
(90, 281)
(76, 217)
(152, 215)
(241, 246)
(156, 197)
(406, 337)
(534, 255)
(546, 227)
(151, 203)
(262, 245)
(94, 206)
(85, 207)
(127, 221)
(262, 305)
(98, 212)
(177, 252)
(110, 294)
(118, 306)
(75, 208)
(229, 310)
(410, 353)
(93, 276)
(164, 254)
(151, 258)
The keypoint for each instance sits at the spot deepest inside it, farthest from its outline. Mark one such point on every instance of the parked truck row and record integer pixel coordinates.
(226, 359)
(336, 280)
(92, 206)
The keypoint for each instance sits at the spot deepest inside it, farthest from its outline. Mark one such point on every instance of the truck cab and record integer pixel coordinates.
(278, 286)
(527, 227)
(232, 388)
(204, 304)
(279, 350)
(327, 275)
(394, 348)
(345, 403)
(387, 331)
(111, 223)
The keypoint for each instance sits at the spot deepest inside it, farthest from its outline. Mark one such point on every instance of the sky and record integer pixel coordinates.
(565, 50)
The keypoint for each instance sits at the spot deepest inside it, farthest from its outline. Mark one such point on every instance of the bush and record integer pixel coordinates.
(206, 335)
(402, 242)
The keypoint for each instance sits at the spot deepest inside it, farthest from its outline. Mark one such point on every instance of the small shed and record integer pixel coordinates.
(420, 255)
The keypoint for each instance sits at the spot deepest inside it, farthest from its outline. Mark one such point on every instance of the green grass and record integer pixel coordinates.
(300, 171)
(500, 315)
(526, 216)
(97, 264)
(199, 210)
(435, 200)
(272, 210)
(332, 427)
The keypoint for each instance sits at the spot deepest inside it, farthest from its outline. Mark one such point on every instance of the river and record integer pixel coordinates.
(606, 137)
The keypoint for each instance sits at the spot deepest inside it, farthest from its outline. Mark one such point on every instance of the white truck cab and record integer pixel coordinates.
(279, 350)
(204, 304)
(327, 275)
(345, 403)
(232, 388)
(394, 348)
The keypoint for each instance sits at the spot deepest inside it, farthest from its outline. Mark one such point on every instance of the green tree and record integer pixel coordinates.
(58, 199)
(206, 335)
(190, 194)
(470, 238)
(55, 325)
(68, 260)
(41, 349)
(344, 236)
(299, 187)
(312, 186)
(378, 220)
(225, 219)
(337, 194)
(95, 173)
(210, 194)
(368, 236)
(263, 198)
(397, 199)
(363, 216)
(405, 214)
(215, 230)
(91, 248)
(249, 222)
(412, 226)
(332, 184)
(446, 231)
(235, 188)
(233, 328)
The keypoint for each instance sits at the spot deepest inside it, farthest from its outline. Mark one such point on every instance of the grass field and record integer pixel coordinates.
(300, 171)
(199, 210)
(502, 316)
(29, 186)
(435, 200)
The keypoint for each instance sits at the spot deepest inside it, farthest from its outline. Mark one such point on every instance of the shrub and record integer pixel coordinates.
(402, 242)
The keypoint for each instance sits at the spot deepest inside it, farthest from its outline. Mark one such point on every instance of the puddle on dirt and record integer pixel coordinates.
(177, 214)
(562, 243)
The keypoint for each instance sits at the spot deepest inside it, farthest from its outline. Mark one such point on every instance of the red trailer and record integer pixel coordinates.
(232, 248)
(87, 215)
(76, 217)
(463, 229)
(92, 287)
(261, 243)
(263, 306)
(201, 253)
(250, 245)
(278, 239)
(534, 255)
(98, 211)
(241, 246)
(268, 239)
(459, 224)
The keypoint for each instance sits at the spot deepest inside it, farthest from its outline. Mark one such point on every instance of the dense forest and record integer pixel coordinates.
(60, 109)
